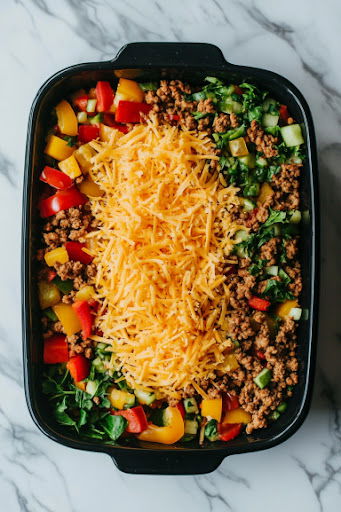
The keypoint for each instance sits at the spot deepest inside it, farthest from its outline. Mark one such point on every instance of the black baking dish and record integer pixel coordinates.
(145, 62)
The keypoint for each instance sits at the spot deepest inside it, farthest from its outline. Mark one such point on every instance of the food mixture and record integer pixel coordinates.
(169, 277)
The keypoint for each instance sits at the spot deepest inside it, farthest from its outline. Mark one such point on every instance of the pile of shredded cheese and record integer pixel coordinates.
(164, 235)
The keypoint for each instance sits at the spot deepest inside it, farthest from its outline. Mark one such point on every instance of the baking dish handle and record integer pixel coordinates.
(170, 463)
(169, 54)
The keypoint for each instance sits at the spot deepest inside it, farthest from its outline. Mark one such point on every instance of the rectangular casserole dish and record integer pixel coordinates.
(146, 62)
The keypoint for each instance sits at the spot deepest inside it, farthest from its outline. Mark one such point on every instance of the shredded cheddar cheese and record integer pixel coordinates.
(164, 234)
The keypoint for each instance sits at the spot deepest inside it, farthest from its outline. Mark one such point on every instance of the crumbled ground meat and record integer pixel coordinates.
(285, 184)
(69, 270)
(264, 142)
(71, 224)
(269, 250)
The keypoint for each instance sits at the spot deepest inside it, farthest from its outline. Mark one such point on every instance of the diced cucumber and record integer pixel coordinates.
(249, 160)
(295, 313)
(98, 364)
(272, 271)
(292, 135)
(191, 427)
(268, 103)
(269, 120)
(248, 205)
(295, 216)
(230, 106)
(130, 400)
(282, 407)
(91, 387)
(240, 236)
(191, 406)
(97, 119)
(144, 397)
(82, 117)
(261, 162)
(91, 105)
(263, 378)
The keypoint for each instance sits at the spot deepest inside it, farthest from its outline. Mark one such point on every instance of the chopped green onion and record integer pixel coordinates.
(282, 407)
(274, 415)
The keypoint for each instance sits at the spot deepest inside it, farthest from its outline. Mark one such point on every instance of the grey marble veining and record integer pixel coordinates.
(298, 39)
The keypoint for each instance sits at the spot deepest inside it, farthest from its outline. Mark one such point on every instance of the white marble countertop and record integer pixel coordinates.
(298, 39)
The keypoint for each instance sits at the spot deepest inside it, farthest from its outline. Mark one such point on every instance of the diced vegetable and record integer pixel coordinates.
(85, 293)
(230, 402)
(91, 105)
(181, 408)
(119, 399)
(92, 387)
(292, 135)
(109, 120)
(259, 303)
(81, 102)
(263, 378)
(171, 433)
(82, 310)
(70, 167)
(136, 418)
(144, 397)
(264, 194)
(82, 117)
(128, 90)
(248, 205)
(58, 148)
(272, 270)
(62, 200)
(49, 295)
(50, 314)
(282, 407)
(55, 178)
(90, 188)
(56, 349)
(96, 120)
(230, 106)
(105, 96)
(295, 216)
(88, 132)
(237, 416)
(283, 310)
(83, 156)
(269, 120)
(228, 431)
(64, 286)
(191, 406)
(79, 367)
(67, 120)
(241, 236)
(211, 408)
(295, 313)
(191, 427)
(283, 113)
(211, 430)
(130, 111)
(58, 255)
(77, 252)
(249, 160)
(238, 147)
(68, 318)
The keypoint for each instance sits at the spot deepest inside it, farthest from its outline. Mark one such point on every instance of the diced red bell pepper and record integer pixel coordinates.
(181, 408)
(81, 102)
(55, 178)
(173, 117)
(228, 431)
(130, 111)
(87, 132)
(259, 304)
(230, 402)
(79, 367)
(260, 355)
(283, 113)
(76, 253)
(61, 200)
(83, 311)
(56, 349)
(105, 96)
(238, 90)
(50, 275)
(109, 120)
(136, 417)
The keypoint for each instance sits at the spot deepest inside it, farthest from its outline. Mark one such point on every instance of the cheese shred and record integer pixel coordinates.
(164, 234)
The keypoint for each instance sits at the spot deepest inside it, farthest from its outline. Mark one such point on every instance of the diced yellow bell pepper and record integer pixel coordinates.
(49, 295)
(238, 147)
(128, 90)
(85, 293)
(106, 132)
(212, 408)
(171, 433)
(58, 148)
(83, 156)
(70, 167)
(90, 188)
(119, 398)
(265, 192)
(67, 120)
(68, 318)
(284, 309)
(237, 416)
(58, 255)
